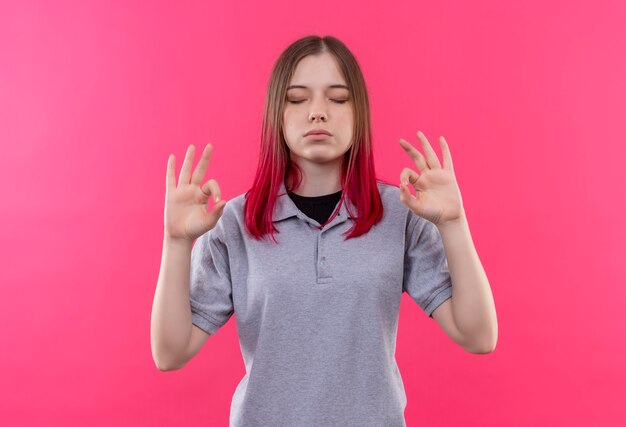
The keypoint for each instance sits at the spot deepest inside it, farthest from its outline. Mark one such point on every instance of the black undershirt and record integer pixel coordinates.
(317, 207)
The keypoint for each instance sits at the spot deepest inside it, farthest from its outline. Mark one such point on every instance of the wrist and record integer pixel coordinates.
(176, 241)
(453, 223)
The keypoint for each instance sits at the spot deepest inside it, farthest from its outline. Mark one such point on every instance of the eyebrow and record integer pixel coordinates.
(338, 86)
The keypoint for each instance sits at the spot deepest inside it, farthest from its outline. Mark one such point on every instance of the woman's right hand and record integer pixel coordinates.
(186, 213)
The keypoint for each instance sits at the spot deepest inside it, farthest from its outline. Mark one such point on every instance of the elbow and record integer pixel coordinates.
(485, 346)
(164, 359)
(164, 364)
(490, 347)
(483, 350)
(164, 367)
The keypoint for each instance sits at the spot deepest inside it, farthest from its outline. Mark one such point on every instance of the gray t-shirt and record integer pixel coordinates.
(317, 316)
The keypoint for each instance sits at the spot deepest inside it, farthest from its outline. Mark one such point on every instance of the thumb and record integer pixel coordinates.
(215, 214)
(408, 199)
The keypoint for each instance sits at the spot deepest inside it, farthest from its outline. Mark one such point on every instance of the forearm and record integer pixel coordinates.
(171, 326)
(473, 306)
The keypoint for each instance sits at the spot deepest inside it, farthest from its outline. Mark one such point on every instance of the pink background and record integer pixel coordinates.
(94, 96)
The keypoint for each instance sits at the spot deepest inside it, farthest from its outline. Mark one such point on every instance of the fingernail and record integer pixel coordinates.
(217, 199)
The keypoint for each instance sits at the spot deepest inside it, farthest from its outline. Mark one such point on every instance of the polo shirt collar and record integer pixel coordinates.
(286, 208)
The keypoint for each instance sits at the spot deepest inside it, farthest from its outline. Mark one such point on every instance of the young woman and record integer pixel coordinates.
(314, 258)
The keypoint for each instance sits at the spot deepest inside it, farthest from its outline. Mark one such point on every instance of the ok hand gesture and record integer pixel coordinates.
(437, 195)
(186, 213)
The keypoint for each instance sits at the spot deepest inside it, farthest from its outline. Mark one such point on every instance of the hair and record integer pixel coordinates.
(358, 177)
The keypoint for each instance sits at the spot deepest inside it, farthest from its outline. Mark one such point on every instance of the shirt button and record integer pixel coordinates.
(323, 263)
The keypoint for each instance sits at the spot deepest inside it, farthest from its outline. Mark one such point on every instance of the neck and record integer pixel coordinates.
(319, 179)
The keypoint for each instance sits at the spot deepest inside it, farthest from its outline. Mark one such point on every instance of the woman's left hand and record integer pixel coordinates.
(437, 195)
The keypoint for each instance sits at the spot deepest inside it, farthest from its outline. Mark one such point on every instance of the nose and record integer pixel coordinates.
(318, 108)
(316, 116)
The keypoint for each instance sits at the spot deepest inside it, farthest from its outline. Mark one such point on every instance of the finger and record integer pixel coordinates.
(215, 214)
(185, 172)
(409, 176)
(211, 188)
(417, 157)
(408, 199)
(447, 157)
(170, 179)
(431, 156)
(198, 174)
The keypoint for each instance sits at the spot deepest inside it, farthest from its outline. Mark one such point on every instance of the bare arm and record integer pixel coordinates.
(171, 327)
(173, 338)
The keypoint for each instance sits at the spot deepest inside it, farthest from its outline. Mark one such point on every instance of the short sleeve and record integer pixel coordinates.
(426, 275)
(210, 288)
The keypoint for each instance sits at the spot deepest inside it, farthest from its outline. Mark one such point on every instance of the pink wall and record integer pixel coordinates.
(94, 97)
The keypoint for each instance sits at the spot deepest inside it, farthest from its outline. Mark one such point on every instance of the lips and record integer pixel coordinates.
(318, 132)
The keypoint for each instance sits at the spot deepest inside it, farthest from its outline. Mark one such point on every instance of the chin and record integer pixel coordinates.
(324, 159)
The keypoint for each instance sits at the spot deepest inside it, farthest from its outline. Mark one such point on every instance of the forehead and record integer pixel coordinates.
(317, 71)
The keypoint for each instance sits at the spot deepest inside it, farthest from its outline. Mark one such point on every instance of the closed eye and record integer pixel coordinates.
(338, 101)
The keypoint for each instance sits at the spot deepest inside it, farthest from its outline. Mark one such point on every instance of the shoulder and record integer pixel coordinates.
(398, 212)
(235, 204)
(390, 197)
(387, 190)
(233, 214)
(231, 220)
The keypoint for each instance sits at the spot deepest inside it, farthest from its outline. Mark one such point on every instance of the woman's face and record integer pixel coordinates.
(314, 104)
